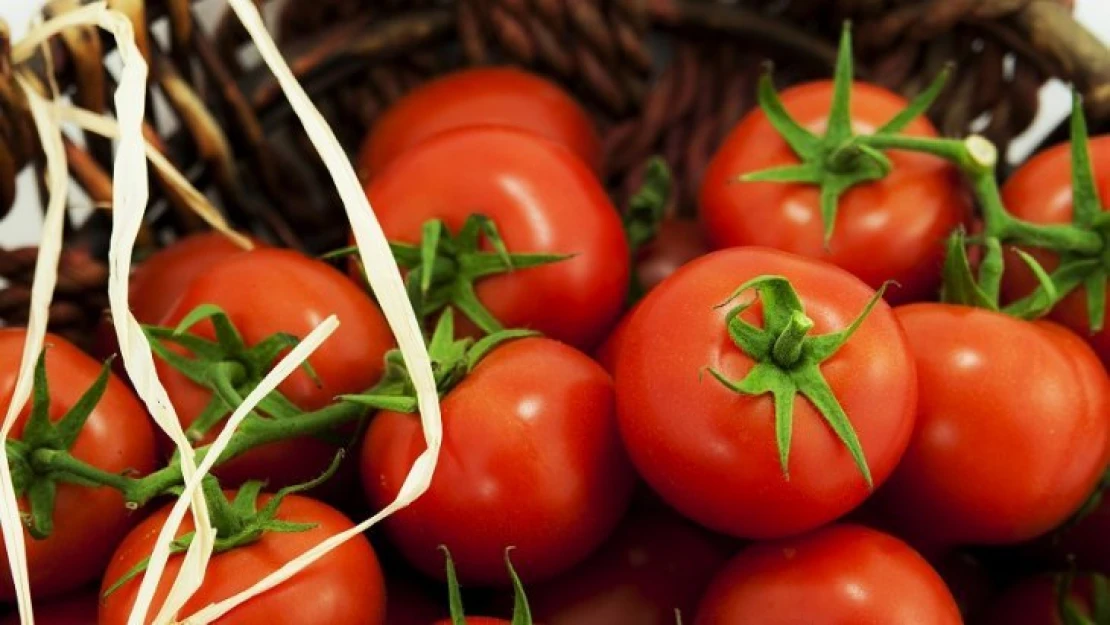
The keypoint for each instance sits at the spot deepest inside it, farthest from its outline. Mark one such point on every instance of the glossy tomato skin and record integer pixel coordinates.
(893, 229)
(118, 437)
(266, 291)
(1034, 602)
(158, 282)
(487, 96)
(656, 562)
(531, 459)
(543, 200)
(344, 587)
(710, 452)
(1012, 427)
(839, 575)
(1040, 192)
(80, 609)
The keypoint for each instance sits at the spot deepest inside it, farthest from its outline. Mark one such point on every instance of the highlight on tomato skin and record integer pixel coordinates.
(837, 574)
(489, 96)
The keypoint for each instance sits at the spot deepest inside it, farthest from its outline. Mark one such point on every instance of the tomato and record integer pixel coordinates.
(76, 610)
(499, 96)
(117, 437)
(343, 587)
(1012, 432)
(839, 575)
(678, 242)
(542, 200)
(892, 229)
(655, 562)
(606, 355)
(158, 282)
(531, 459)
(711, 452)
(1035, 602)
(266, 291)
(1040, 192)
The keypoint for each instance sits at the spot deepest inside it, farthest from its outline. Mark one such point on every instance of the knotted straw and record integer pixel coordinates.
(130, 195)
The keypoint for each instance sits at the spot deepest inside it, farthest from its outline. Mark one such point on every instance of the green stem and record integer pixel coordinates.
(974, 155)
(62, 462)
(788, 346)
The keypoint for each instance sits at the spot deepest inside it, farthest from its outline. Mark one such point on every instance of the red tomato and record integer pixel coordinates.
(1013, 424)
(893, 229)
(344, 587)
(268, 291)
(543, 200)
(77, 610)
(606, 355)
(711, 452)
(1034, 602)
(678, 242)
(497, 96)
(655, 562)
(840, 575)
(531, 459)
(1040, 192)
(118, 437)
(158, 282)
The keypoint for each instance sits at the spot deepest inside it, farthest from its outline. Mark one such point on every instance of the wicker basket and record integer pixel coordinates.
(663, 77)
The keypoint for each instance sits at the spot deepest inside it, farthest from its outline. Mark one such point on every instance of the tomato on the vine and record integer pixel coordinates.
(1040, 191)
(1013, 427)
(717, 454)
(654, 563)
(487, 96)
(842, 574)
(531, 459)
(344, 587)
(890, 229)
(542, 200)
(267, 291)
(117, 438)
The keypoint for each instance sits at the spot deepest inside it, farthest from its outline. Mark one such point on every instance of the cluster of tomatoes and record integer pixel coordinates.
(786, 428)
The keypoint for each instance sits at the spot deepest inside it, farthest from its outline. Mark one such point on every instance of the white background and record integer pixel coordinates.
(21, 226)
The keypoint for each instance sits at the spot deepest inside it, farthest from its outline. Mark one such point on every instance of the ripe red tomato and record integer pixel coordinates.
(893, 229)
(158, 282)
(543, 200)
(118, 437)
(678, 242)
(711, 452)
(1013, 425)
(839, 575)
(497, 96)
(1035, 602)
(531, 459)
(344, 587)
(655, 562)
(267, 291)
(76, 610)
(1040, 192)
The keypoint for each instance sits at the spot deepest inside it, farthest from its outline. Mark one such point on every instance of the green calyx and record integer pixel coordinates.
(788, 363)
(840, 159)
(1071, 612)
(443, 268)
(522, 614)
(227, 366)
(452, 360)
(238, 522)
(38, 480)
(1081, 245)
